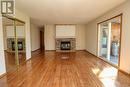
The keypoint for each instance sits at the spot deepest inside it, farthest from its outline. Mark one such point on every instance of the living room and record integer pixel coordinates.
(65, 43)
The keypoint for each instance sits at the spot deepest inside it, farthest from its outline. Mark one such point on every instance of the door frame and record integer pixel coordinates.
(120, 47)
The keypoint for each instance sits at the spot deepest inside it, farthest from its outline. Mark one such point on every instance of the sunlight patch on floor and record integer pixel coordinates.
(107, 76)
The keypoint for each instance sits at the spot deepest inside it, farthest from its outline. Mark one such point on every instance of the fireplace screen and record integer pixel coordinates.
(65, 45)
(20, 45)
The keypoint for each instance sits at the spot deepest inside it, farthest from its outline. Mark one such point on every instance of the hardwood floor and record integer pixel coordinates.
(11, 60)
(52, 69)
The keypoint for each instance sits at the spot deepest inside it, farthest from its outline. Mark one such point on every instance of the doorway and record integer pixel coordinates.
(42, 45)
(14, 42)
(109, 39)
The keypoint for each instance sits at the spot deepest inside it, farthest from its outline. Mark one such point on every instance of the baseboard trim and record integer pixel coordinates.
(49, 50)
(126, 73)
(109, 63)
(81, 50)
(68, 50)
(91, 53)
(35, 50)
(1, 76)
(103, 60)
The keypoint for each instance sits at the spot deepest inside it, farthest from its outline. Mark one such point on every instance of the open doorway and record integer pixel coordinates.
(42, 45)
(109, 39)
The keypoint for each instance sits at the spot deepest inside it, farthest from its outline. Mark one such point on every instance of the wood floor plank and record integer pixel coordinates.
(79, 69)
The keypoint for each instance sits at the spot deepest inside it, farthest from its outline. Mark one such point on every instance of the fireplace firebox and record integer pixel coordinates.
(65, 45)
(20, 45)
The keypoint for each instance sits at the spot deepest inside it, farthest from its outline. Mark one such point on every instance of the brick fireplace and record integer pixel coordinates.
(11, 44)
(65, 44)
(65, 38)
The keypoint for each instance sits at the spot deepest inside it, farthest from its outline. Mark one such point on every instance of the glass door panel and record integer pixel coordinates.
(109, 40)
(9, 43)
(14, 42)
(104, 32)
(20, 35)
(115, 40)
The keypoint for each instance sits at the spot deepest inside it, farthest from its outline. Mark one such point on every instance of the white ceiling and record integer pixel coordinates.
(65, 11)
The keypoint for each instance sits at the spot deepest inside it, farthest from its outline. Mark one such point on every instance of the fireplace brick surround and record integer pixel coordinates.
(59, 41)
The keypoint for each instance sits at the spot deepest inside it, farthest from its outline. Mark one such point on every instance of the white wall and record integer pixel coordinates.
(80, 37)
(64, 31)
(35, 37)
(5, 37)
(91, 38)
(91, 34)
(50, 37)
(50, 32)
(2, 57)
(24, 17)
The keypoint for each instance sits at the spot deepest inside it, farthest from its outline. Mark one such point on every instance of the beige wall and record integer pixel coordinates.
(91, 37)
(65, 31)
(2, 56)
(50, 37)
(35, 37)
(24, 17)
(80, 37)
(91, 34)
(5, 37)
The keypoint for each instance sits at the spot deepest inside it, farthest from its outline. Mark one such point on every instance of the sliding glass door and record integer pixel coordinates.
(109, 33)
(104, 36)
